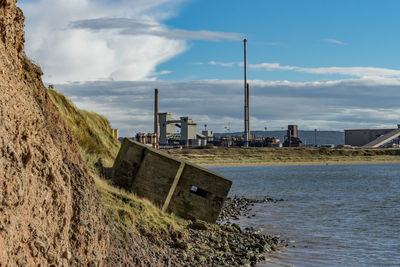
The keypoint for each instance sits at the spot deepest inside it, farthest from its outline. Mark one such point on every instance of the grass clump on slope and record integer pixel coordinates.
(140, 214)
(92, 133)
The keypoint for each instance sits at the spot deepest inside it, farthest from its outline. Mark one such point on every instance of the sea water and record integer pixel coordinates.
(332, 215)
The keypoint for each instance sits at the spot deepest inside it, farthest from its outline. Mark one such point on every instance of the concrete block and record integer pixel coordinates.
(172, 184)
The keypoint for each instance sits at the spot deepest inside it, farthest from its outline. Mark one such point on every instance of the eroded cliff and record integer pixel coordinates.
(49, 208)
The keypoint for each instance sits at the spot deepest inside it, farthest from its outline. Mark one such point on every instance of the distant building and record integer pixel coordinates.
(147, 139)
(370, 137)
(188, 136)
(292, 137)
(208, 135)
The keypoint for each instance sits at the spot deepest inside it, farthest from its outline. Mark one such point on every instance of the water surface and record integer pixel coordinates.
(334, 215)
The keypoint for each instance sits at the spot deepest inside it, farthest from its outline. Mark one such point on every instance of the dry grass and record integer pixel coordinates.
(139, 214)
(240, 156)
(91, 131)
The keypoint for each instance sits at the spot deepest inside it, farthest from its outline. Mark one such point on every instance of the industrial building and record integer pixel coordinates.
(371, 137)
(292, 137)
(208, 135)
(165, 130)
(188, 135)
(147, 139)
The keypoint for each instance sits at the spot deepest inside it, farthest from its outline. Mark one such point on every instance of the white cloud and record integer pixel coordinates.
(360, 72)
(129, 43)
(164, 72)
(73, 54)
(334, 41)
(223, 64)
(326, 105)
(149, 27)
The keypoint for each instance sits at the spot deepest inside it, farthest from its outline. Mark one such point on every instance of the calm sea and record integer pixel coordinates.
(333, 215)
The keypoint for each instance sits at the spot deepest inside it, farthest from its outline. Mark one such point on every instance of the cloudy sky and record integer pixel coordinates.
(329, 65)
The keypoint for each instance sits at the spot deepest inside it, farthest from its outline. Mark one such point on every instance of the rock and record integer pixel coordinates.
(245, 262)
(198, 226)
(226, 248)
(182, 245)
(237, 227)
(266, 248)
(200, 258)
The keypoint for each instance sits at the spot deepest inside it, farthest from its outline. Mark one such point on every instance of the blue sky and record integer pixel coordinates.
(299, 33)
(329, 65)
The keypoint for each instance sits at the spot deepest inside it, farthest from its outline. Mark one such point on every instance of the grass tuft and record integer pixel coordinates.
(91, 131)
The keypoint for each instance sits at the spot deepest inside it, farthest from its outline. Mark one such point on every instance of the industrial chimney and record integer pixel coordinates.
(248, 112)
(156, 127)
(246, 102)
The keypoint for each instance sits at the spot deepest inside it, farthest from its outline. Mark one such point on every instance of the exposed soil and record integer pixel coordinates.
(49, 209)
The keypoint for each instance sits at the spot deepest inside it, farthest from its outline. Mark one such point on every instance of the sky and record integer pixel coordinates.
(327, 65)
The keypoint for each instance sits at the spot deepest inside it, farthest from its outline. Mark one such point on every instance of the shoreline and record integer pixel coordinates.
(303, 163)
(285, 156)
(227, 242)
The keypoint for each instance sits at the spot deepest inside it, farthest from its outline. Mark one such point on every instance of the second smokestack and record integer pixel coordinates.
(156, 127)
(248, 112)
(246, 102)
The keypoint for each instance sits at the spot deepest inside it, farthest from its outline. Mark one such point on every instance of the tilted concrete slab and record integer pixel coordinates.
(172, 184)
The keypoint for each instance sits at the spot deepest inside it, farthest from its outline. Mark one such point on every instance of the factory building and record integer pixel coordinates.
(370, 137)
(166, 127)
(188, 131)
(208, 135)
(292, 137)
(147, 139)
(165, 130)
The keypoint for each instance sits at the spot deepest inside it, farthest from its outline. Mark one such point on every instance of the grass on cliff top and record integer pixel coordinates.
(92, 133)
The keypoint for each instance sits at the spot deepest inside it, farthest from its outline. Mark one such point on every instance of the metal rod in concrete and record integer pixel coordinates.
(246, 130)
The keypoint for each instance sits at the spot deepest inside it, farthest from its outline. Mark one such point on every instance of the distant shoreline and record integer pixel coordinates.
(285, 156)
(254, 164)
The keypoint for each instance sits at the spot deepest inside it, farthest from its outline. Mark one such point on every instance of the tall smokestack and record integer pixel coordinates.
(246, 124)
(248, 111)
(156, 127)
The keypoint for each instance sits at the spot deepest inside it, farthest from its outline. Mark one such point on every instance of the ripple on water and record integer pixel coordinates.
(337, 215)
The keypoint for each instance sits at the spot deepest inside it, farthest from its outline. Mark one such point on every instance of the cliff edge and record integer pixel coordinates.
(49, 208)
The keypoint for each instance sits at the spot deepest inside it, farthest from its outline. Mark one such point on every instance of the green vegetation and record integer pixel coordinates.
(92, 133)
(275, 156)
(140, 214)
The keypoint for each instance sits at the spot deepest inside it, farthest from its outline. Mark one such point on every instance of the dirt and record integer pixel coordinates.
(49, 210)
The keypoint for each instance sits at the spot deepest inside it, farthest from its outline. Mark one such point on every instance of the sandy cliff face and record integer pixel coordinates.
(49, 212)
